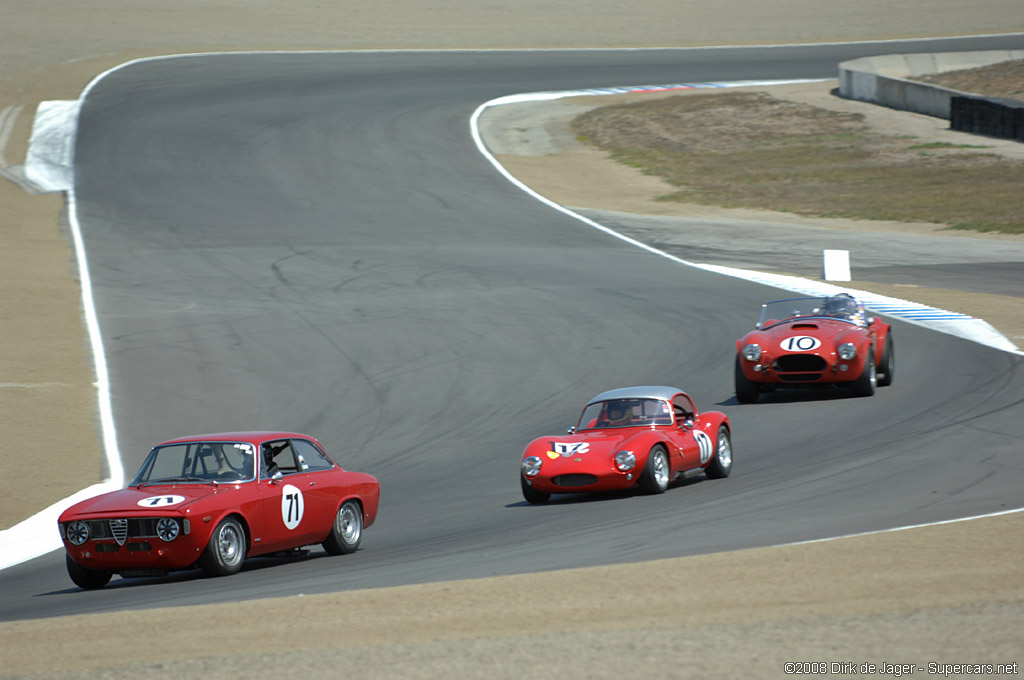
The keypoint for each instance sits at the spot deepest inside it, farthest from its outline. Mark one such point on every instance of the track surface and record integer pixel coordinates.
(312, 242)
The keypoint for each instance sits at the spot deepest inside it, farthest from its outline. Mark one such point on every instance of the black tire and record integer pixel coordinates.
(86, 578)
(747, 391)
(887, 364)
(226, 550)
(864, 386)
(655, 477)
(346, 530)
(721, 464)
(532, 496)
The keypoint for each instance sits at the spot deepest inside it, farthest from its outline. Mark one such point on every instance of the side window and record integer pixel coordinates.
(682, 407)
(310, 457)
(279, 457)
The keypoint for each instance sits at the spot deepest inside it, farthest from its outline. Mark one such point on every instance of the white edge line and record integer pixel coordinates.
(26, 533)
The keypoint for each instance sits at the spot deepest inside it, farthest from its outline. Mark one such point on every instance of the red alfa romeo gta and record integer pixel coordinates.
(814, 341)
(211, 501)
(640, 437)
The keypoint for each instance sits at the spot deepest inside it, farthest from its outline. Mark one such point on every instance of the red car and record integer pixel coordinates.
(211, 501)
(814, 341)
(641, 437)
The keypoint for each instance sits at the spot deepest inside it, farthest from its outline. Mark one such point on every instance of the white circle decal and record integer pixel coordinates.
(800, 343)
(160, 501)
(292, 506)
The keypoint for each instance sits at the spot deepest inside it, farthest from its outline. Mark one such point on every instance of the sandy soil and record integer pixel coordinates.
(949, 594)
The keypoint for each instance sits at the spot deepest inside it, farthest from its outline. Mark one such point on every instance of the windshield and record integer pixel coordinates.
(198, 462)
(625, 413)
(842, 307)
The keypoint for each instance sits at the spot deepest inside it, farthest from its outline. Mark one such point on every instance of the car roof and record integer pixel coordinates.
(251, 436)
(639, 392)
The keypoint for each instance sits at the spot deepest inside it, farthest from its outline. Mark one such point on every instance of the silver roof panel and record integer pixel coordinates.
(639, 392)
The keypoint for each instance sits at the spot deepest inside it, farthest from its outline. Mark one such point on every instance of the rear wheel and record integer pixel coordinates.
(864, 386)
(531, 495)
(887, 364)
(655, 476)
(86, 578)
(225, 552)
(721, 465)
(347, 530)
(747, 391)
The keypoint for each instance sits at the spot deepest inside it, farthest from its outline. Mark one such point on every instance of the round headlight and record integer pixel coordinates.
(752, 352)
(847, 351)
(167, 529)
(625, 461)
(531, 466)
(78, 532)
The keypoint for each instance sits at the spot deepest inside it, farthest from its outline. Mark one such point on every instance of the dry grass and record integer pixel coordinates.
(1005, 79)
(750, 150)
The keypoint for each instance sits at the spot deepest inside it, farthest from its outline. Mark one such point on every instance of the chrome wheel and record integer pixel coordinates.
(346, 531)
(349, 523)
(229, 544)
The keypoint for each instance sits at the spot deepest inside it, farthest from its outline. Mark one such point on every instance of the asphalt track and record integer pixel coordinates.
(313, 242)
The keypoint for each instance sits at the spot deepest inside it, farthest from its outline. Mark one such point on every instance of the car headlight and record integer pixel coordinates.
(78, 532)
(752, 352)
(167, 529)
(531, 466)
(847, 351)
(625, 461)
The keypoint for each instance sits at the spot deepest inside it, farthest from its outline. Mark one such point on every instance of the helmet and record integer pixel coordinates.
(842, 304)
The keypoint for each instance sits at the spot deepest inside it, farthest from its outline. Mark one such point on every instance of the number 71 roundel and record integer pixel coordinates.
(292, 506)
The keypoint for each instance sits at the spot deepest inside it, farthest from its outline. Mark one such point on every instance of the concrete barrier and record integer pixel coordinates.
(884, 79)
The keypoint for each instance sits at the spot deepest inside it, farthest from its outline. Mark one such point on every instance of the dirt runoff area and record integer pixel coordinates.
(945, 595)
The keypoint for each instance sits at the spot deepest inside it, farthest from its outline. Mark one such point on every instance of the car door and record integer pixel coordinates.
(320, 491)
(694, 444)
(290, 520)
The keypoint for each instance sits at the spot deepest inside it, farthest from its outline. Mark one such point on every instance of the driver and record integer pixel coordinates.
(617, 414)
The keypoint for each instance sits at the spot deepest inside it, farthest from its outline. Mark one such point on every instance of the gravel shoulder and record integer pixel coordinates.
(945, 594)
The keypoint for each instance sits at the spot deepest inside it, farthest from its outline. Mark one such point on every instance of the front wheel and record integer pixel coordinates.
(532, 496)
(747, 391)
(86, 578)
(721, 465)
(656, 473)
(887, 364)
(864, 386)
(347, 530)
(225, 552)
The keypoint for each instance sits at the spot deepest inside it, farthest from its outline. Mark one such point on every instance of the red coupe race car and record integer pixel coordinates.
(213, 500)
(641, 437)
(814, 341)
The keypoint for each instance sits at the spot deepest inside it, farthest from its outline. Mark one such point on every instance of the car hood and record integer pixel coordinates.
(827, 332)
(148, 500)
(590, 444)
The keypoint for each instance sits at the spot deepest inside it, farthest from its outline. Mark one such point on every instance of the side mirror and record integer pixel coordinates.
(571, 429)
(686, 423)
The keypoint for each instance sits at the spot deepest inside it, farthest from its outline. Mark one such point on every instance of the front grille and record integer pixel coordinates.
(574, 480)
(135, 527)
(799, 363)
(119, 530)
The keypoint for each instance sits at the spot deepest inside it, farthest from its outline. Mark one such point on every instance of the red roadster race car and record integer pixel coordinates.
(640, 437)
(212, 500)
(814, 341)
